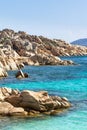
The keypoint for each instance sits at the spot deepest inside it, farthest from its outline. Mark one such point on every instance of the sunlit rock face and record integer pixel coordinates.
(20, 47)
(3, 73)
(26, 103)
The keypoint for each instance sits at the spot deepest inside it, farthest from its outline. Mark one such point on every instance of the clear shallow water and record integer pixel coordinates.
(69, 81)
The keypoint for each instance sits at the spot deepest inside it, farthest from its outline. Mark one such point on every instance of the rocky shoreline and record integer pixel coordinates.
(21, 48)
(29, 103)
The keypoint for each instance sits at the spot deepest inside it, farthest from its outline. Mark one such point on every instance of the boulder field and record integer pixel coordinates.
(29, 103)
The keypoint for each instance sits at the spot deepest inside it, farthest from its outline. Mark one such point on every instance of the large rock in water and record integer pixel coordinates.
(39, 101)
(26, 103)
(20, 74)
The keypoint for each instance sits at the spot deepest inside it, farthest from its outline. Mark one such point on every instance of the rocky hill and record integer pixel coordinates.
(82, 42)
(20, 47)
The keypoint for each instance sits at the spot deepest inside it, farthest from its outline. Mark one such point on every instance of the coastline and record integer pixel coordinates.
(62, 81)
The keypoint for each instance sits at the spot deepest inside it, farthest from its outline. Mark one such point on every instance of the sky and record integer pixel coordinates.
(60, 19)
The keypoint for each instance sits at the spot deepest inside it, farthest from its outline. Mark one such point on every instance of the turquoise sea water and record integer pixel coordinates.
(69, 81)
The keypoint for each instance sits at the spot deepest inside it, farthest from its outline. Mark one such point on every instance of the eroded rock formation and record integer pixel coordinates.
(19, 47)
(27, 103)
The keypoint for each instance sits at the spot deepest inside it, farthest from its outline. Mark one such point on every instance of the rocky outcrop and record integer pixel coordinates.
(9, 59)
(3, 73)
(29, 103)
(20, 47)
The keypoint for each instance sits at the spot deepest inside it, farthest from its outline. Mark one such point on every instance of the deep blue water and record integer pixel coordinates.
(69, 81)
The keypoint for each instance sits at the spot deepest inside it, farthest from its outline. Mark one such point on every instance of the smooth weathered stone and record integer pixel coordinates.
(5, 108)
(18, 112)
(29, 102)
(9, 110)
